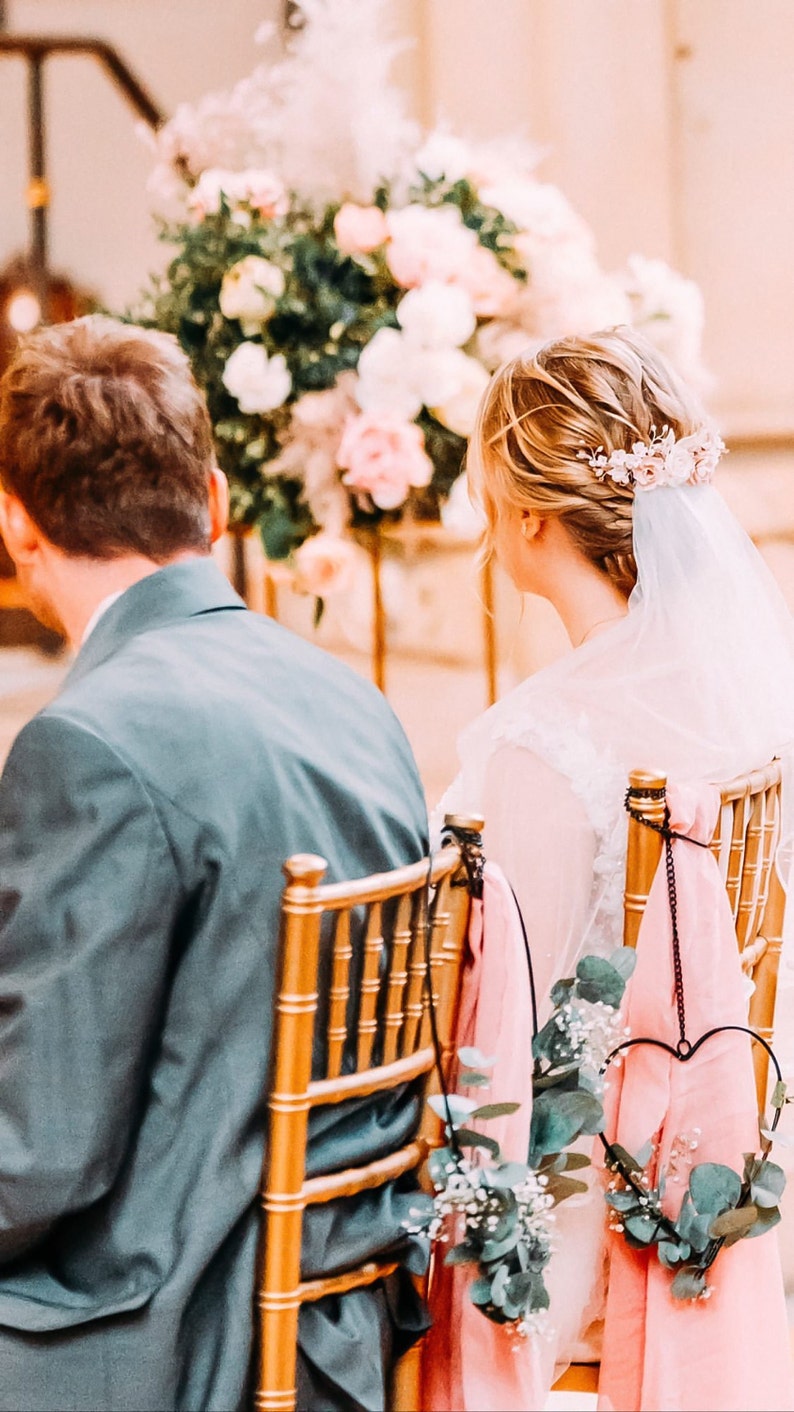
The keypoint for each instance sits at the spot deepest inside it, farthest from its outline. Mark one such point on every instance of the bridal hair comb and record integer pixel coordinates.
(664, 460)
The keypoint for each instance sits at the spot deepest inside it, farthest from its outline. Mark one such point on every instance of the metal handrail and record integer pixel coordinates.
(36, 49)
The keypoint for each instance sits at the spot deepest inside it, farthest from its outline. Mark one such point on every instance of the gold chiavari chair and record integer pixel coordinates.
(387, 1045)
(744, 844)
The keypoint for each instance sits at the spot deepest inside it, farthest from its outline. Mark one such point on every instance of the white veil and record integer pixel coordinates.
(697, 681)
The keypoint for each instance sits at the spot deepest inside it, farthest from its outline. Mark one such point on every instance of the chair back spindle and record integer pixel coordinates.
(386, 929)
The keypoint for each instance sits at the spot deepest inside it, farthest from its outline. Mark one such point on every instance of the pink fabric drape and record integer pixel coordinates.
(732, 1350)
(468, 1362)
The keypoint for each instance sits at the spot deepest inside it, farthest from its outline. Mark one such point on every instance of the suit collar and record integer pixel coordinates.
(170, 595)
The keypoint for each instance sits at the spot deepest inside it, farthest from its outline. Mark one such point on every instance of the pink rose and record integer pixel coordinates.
(491, 287)
(266, 194)
(384, 456)
(428, 243)
(324, 564)
(359, 229)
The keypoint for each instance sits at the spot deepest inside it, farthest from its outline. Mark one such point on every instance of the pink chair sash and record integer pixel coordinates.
(468, 1362)
(732, 1350)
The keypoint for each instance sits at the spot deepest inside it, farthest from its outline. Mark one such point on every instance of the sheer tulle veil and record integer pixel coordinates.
(697, 681)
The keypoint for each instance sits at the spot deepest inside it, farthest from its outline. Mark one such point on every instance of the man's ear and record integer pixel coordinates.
(218, 503)
(21, 534)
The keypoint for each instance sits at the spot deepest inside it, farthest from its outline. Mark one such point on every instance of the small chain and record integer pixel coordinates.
(678, 975)
(684, 1047)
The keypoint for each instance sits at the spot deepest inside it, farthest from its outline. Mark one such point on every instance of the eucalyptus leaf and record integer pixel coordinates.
(622, 1200)
(671, 1253)
(692, 1226)
(573, 1161)
(768, 1185)
(474, 1059)
(733, 1223)
(598, 980)
(689, 1283)
(768, 1216)
(459, 1107)
(507, 1174)
(561, 991)
(714, 1187)
(468, 1138)
(558, 1118)
(562, 1187)
(641, 1228)
(471, 1079)
(495, 1110)
(480, 1290)
(497, 1249)
(437, 1164)
(462, 1254)
(519, 1287)
(499, 1286)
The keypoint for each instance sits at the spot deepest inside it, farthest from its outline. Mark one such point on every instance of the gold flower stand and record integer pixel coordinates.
(414, 539)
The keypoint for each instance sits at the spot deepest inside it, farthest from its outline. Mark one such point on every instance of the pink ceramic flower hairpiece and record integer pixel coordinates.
(664, 460)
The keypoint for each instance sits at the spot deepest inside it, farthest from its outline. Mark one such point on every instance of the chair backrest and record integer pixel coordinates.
(744, 844)
(376, 1035)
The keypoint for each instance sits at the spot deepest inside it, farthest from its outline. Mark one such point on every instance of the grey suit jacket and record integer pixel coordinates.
(144, 818)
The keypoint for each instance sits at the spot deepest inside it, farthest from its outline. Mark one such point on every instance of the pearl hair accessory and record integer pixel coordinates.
(663, 461)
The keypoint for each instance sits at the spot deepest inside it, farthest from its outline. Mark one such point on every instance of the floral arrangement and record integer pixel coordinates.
(664, 461)
(502, 1212)
(719, 1206)
(344, 286)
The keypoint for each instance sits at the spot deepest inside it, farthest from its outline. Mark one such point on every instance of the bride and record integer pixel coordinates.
(592, 464)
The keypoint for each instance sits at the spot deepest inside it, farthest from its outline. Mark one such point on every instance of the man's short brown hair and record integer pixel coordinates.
(106, 440)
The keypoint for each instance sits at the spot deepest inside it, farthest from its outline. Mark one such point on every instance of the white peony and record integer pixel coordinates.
(538, 207)
(256, 187)
(458, 409)
(387, 375)
(459, 515)
(669, 310)
(427, 243)
(258, 383)
(442, 155)
(250, 290)
(437, 315)
(499, 340)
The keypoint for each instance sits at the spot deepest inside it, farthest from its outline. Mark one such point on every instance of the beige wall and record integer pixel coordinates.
(669, 123)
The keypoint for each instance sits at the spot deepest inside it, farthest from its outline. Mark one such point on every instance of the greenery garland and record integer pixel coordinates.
(506, 1209)
(719, 1206)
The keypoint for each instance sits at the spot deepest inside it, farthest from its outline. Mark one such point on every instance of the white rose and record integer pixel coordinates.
(258, 383)
(387, 376)
(249, 292)
(437, 315)
(458, 411)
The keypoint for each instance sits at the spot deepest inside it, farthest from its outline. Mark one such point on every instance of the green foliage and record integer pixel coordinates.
(331, 307)
(718, 1209)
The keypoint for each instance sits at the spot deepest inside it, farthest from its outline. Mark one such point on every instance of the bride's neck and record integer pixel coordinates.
(586, 600)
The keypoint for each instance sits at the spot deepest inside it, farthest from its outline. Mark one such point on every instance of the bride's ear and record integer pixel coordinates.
(531, 524)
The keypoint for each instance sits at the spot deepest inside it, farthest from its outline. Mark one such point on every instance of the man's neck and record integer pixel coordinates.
(82, 585)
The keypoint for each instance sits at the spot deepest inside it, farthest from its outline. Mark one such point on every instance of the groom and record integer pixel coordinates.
(144, 818)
